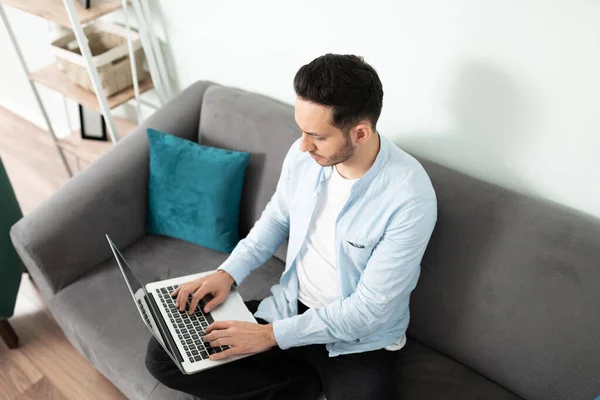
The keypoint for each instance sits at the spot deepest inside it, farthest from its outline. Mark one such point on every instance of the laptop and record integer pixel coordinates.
(180, 334)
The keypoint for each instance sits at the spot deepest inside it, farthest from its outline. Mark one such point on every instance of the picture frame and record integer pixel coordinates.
(93, 124)
(85, 3)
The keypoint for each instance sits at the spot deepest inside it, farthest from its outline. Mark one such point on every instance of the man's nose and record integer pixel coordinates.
(305, 143)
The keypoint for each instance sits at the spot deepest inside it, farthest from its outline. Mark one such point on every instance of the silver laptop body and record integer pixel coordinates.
(180, 334)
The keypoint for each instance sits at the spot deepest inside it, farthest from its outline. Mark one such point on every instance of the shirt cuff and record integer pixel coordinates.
(236, 270)
(285, 333)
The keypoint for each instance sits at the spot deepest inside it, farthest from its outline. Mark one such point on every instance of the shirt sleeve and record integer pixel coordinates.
(268, 232)
(388, 279)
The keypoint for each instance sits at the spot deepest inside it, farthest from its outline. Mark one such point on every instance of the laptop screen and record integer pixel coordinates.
(144, 303)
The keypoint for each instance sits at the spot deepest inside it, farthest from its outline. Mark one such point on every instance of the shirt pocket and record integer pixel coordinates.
(358, 250)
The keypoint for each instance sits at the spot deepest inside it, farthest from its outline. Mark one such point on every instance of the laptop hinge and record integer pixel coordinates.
(164, 330)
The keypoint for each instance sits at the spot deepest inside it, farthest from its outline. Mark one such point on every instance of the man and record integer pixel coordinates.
(359, 213)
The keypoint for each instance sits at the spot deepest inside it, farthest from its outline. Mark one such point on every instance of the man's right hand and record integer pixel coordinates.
(218, 284)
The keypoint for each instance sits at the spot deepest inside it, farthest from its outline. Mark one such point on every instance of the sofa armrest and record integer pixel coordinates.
(64, 238)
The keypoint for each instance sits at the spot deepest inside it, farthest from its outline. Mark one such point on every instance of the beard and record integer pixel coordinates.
(343, 154)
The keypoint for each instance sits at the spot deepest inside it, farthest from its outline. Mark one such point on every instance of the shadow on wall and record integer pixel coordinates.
(129, 110)
(165, 46)
(489, 137)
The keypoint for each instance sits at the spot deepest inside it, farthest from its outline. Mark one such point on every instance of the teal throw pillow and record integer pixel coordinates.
(194, 191)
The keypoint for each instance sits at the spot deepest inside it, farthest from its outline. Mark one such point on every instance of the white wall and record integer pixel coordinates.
(508, 91)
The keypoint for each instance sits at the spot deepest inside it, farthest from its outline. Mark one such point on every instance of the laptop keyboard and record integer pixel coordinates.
(189, 328)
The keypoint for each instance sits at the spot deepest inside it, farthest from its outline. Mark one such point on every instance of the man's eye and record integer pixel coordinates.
(320, 139)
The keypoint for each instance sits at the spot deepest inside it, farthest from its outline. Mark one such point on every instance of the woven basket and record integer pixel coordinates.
(110, 56)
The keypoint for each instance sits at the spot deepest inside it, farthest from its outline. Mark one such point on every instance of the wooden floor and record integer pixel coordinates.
(46, 365)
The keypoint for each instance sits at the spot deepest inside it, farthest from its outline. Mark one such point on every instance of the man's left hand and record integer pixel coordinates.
(242, 337)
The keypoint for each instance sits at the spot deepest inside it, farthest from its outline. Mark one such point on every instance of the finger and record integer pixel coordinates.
(183, 296)
(186, 295)
(196, 297)
(180, 295)
(183, 290)
(179, 289)
(224, 354)
(218, 299)
(218, 325)
(222, 341)
(217, 334)
(174, 292)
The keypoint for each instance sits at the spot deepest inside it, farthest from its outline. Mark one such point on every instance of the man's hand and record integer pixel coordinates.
(217, 284)
(243, 337)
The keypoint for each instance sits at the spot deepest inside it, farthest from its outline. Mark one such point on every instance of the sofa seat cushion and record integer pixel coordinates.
(169, 258)
(423, 373)
(98, 316)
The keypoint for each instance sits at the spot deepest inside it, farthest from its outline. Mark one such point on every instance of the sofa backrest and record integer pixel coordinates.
(237, 120)
(510, 286)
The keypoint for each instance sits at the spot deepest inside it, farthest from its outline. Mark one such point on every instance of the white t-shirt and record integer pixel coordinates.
(316, 263)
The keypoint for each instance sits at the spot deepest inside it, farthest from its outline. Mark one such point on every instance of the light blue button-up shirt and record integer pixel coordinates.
(380, 236)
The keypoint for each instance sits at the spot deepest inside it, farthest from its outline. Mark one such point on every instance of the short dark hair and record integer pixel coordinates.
(344, 82)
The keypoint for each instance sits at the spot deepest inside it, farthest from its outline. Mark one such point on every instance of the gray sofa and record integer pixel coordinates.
(507, 306)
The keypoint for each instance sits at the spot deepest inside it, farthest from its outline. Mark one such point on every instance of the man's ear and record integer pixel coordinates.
(363, 131)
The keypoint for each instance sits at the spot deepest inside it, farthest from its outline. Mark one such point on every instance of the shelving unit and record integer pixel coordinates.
(54, 10)
(50, 76)
(70, 14)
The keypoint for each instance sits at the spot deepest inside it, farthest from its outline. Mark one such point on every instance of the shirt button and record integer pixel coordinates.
(383, 298)
(315, 194)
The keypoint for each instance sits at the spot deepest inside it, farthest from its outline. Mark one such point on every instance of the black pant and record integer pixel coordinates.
(297, 373)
